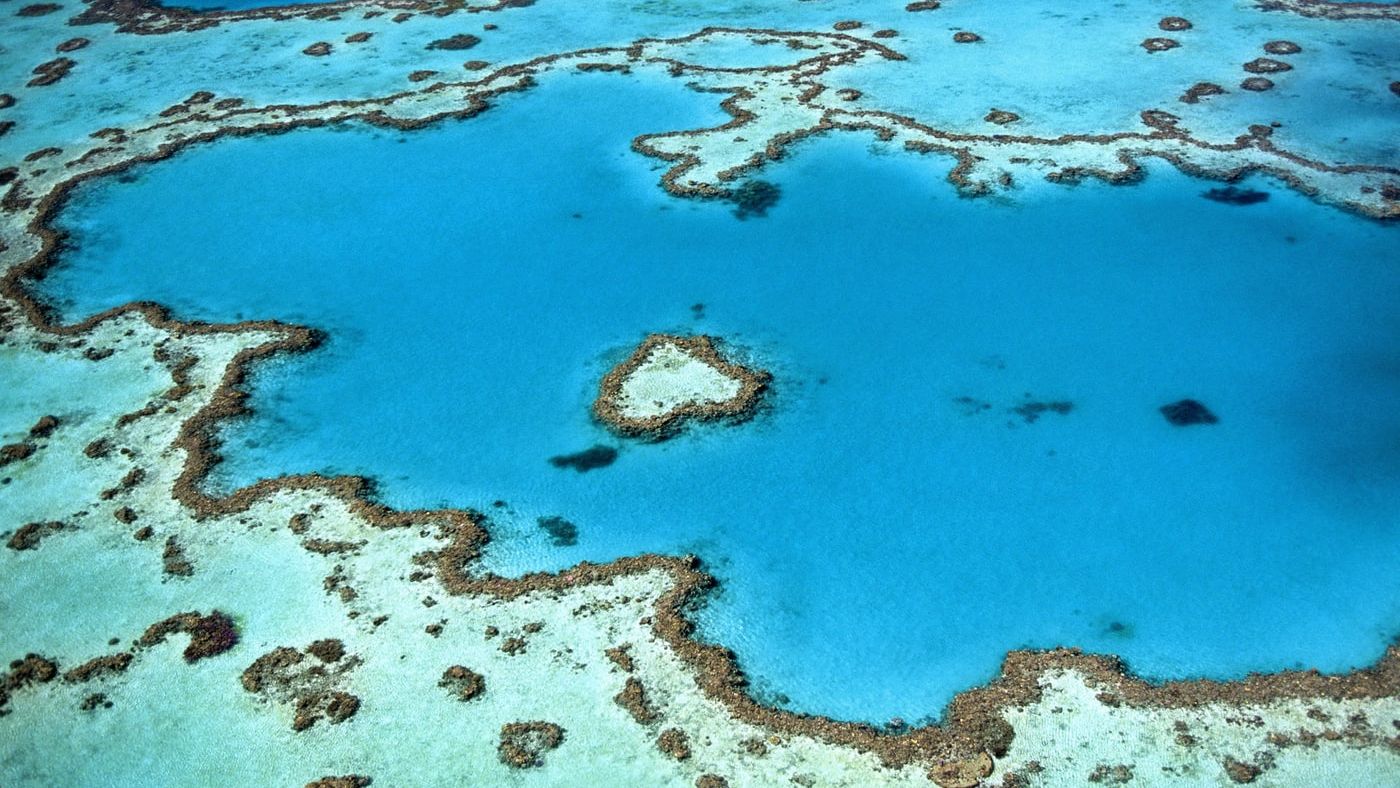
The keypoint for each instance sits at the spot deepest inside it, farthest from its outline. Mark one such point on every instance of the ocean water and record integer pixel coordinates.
(890, 525)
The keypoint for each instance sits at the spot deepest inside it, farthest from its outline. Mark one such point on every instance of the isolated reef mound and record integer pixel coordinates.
(1187, 412)
(459, 41)
(523, 744)
(669, 380)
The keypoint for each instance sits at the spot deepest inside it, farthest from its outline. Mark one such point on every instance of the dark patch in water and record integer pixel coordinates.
(561, 532)
(1187, 412)
(754, 198)
(971, 405)
(1119, 629)
(697, 311)
(586, 460)
(1233, 195)
(1031, 411)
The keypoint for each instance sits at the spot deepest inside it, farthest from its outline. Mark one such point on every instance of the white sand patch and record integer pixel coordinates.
(670, 378)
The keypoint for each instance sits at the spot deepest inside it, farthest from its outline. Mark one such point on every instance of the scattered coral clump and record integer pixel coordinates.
(523, 744)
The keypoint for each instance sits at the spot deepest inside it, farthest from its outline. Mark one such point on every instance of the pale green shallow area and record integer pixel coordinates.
(1047, 63)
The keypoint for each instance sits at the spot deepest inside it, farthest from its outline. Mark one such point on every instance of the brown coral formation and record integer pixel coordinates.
(14, 452)
(99, 667)
(607, 406)
(962, 773)
(358, 38)
(621, 656)
(454, 43)
(98, 449)
(1282, 47)
(72, 45)
(318, 49)
(335, 706)
(633, 698)
(38, 9)
(845, 25)
(923, 5)
(174, 561)
(285, 675)
(420, 75)
(32, 669)
(28, 536)
(1257, 84)
(210, 635)
(1160, 44)
(1174, 24)
(1266, 65)
(327, 650)
(330, 546)
(343, 781)
(523, 744)
(1001, 117)
(1115, 774)
(674, 743)
(51, 71)
(1200, 90)
(132, 478)
(463, 682)
(1241, 772)
(42, 153)
(966, 37)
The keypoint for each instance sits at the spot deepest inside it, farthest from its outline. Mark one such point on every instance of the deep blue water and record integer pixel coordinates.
(881, 541)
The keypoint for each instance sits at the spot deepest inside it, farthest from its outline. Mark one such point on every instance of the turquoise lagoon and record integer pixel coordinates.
(889, 526)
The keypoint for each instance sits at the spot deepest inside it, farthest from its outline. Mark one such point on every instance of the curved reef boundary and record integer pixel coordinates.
(1328, 9)
(958, 750)
(608, 406)
(776, 105)
(147, 17)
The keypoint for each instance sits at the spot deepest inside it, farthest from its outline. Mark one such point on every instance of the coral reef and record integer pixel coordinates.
(210, 635)
(457, 42)
(1187, 412)
(311, 686)
(523, 744)
(674, 743)
(687, 376)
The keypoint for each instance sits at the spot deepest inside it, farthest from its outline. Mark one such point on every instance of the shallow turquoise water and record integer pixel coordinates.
(881, 544)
